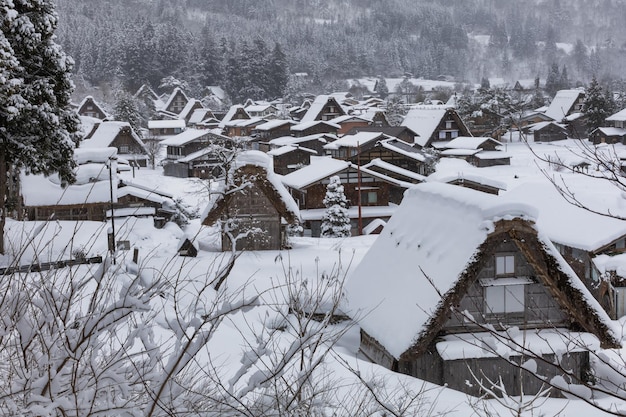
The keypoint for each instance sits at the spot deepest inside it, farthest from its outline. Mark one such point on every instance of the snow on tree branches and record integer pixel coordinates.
(335, 222)
(39, 128)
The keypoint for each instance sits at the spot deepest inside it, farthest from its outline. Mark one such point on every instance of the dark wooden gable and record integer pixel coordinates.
(91, 108)
(177, 101)
(450, 126)
(567, 305)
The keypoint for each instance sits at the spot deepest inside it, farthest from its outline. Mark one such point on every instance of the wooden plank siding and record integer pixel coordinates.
(456, 374)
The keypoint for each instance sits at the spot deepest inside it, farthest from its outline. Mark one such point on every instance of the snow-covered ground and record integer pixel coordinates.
(310, 263)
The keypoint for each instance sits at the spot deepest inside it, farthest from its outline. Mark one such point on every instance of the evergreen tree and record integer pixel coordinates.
(381, 88)
(126, 109)
(335, 222)
(39, 128)
(564, 82)
(596, 107)
(553, 79)
(278, 73)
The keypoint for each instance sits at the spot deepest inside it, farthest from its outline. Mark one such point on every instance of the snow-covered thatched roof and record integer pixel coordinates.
(405, 286)
(562, 104)
(424, 120)
(320, 168)
(106, 132)
(318, 105)
(255, 167)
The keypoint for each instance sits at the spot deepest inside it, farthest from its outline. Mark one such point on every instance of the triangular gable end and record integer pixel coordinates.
(566, 290)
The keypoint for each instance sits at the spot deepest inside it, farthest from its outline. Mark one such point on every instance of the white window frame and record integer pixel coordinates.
(505, 265)
(505, 295)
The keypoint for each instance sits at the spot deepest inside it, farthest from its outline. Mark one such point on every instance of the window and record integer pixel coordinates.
(505, 265)
(124, 149)
(442, 134)
(448, 124)
(505, 298)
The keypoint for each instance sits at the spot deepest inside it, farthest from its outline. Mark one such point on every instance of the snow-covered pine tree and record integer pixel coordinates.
(127, 110)
(335, 222)
(39, 128)
(596, 107)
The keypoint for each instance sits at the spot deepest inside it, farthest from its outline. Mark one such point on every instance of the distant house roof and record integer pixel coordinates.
(185, 137)
(273, 124)
(470, 142)
(313, 113)
(403, 148)
(320, 168)
(423, 120)
(232, 111)
(166, 124)
(358, 139)
(307, 125)
(288, 149)
(199, 115)
(290, 140)
(172, 96)
(96, 108)
(620, 116)
(386, 166)
(429, 253)
(189, 108)
(562, 104)
(106, 133)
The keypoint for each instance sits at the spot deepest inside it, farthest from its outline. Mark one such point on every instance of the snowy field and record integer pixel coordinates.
(312, 268)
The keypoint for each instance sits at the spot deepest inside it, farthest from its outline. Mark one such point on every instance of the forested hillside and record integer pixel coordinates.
(226, 42)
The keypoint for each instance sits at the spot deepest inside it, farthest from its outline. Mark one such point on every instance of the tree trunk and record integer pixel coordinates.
(3, 198)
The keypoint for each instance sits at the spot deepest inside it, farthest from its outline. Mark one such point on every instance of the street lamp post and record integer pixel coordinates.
(112, 233)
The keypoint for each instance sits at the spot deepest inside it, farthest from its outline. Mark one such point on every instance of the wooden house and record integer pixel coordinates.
(434, 124)
(236, 112)
(242, 127)
(479, 151)
(88, 198)
(314, 127)
(607, 135)
(349, 122)
(175, 102)
(118, 135)
(262, 110)
(187, 111)
(132, 194)
(314, 142)
(324, 107)
(401, 132)
(373, 190)
(161, 129)
(472, 290)
(189, 154)
(273, 129)
(546, 131)
(614, 132)
(349, 146)
(290, 158)
(91, 108)
(398, 153)
(565, 103)
(202, 119)
(263, 204)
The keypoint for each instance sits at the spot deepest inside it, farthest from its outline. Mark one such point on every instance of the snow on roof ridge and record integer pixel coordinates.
(490, 206)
